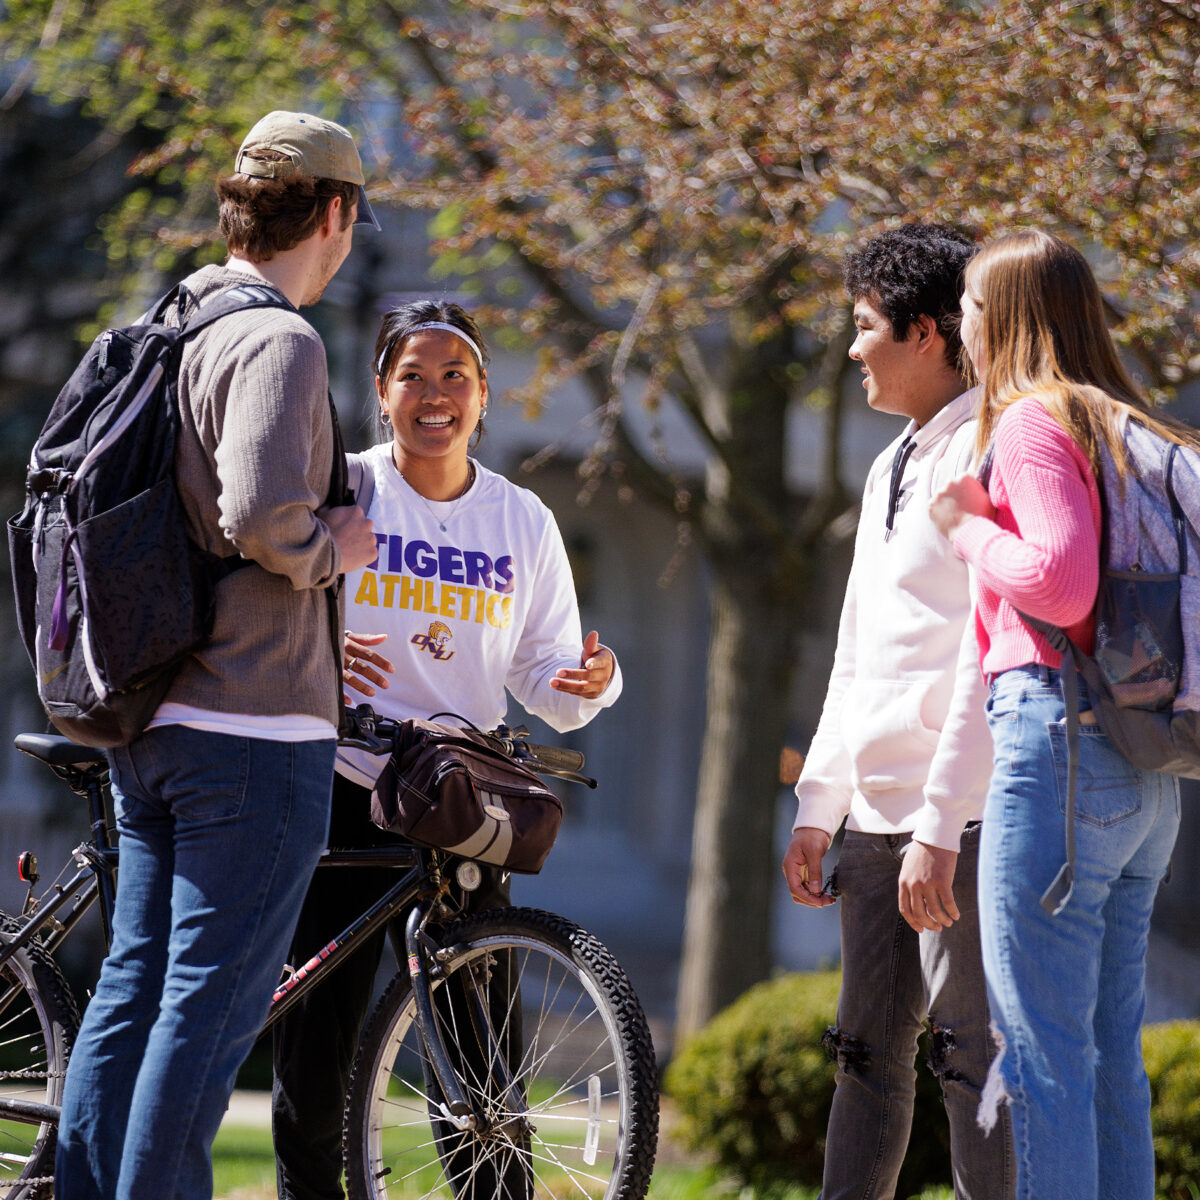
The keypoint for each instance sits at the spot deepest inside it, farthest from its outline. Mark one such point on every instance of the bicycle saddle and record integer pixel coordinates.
(57, 751)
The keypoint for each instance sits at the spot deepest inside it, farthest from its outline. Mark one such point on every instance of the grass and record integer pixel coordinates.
(244, 1169)
(243, 1163)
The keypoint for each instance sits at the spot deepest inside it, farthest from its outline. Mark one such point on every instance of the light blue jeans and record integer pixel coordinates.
(219, 837)
(1067, 992)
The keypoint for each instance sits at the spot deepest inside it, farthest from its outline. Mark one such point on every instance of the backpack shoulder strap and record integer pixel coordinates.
(1055, 897)
(231, 300)
(361, 480)
(1177, 517)
(178, 297)
(984, 474)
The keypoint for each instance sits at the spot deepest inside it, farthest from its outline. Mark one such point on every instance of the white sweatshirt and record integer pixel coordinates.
(484, 605)
(903, 743)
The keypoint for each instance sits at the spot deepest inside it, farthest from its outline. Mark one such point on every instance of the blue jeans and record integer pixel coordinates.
(1068, 991)
(219, 837)
(892, 979)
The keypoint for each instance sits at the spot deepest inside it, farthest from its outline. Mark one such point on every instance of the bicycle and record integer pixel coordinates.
(540, 1073)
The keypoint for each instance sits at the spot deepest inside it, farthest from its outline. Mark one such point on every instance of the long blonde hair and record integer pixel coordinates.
(1044, 336)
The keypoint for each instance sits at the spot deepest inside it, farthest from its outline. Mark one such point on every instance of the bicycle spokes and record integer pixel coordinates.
(562, 1095)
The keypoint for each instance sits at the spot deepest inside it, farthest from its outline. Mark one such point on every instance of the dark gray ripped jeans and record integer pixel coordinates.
(892, 979)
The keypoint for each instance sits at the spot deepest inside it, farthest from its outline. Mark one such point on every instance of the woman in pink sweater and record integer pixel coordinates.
(1066, 987)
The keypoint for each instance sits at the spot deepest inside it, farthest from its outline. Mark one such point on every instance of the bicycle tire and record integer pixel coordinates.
(38, 1026)
(585, 1067)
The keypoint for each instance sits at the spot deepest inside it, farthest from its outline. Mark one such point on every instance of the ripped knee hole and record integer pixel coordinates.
(845, 1049)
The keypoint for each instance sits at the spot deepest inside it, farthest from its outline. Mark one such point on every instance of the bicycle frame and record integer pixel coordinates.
(449, 1032)
(395, 900)
(96, 867)
(95, 874)
(416, 893)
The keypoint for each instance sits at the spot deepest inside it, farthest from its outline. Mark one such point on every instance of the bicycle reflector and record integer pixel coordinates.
(27, 866)
(470, 875)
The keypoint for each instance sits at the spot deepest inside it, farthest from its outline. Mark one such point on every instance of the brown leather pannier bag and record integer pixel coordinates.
(451, 789)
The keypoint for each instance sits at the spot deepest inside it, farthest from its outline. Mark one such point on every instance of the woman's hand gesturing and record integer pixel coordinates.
(362, 665)
(593, 674)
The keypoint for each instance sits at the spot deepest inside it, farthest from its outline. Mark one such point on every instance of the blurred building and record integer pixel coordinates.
(621, 864)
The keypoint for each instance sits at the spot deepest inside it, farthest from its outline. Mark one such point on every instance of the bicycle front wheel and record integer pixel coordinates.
(38, 1024)
(564, 1078)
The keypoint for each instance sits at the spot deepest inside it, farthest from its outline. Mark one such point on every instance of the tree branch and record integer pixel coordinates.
(636, 66)
(50, 35)
(1175, 9)
(701, 398)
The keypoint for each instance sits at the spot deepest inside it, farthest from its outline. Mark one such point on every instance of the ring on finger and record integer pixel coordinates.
(352, 665)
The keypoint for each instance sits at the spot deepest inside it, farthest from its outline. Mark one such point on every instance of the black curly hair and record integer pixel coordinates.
(911, 271)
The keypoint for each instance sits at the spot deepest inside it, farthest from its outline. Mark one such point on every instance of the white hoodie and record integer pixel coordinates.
(903, 744)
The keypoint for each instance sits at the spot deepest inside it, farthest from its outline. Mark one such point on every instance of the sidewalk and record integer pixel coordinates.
(249, 1109)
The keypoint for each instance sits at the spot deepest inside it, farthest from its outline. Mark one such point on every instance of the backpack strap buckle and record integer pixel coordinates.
(48, 481)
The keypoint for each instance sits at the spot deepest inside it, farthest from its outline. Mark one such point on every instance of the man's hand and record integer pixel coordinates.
(959, 501)
(596, 666)
(927, 887)
(802, 866)
(352, 533)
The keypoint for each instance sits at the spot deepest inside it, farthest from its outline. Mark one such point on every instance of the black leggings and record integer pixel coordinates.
(316, 1042)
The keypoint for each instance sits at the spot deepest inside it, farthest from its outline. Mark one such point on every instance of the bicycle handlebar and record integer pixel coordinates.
(377, 735)
(558, 757)
(545, 760)
(364, 730)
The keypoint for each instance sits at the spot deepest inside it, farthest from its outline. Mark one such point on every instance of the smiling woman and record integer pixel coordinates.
(472, 593)
(433, 392)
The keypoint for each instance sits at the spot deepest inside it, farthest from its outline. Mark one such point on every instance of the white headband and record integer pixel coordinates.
(454, 329)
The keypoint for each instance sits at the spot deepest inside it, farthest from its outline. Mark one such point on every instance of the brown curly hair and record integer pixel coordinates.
(262, 217)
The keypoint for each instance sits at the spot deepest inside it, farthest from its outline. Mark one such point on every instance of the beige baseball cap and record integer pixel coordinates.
(314, 147)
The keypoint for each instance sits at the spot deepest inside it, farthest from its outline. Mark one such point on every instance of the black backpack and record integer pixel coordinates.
(112, 595)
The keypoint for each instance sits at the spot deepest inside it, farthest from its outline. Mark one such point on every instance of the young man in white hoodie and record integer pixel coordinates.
(902, 753)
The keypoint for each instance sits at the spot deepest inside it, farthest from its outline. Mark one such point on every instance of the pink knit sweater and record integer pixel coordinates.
(1040, 553)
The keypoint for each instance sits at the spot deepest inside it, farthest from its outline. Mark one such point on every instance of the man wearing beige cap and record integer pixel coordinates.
(222, 803)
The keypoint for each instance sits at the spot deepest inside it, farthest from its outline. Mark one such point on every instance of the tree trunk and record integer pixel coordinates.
(751, 660)
(756, 611)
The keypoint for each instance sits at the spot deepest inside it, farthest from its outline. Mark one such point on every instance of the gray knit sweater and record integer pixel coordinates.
(252, 462)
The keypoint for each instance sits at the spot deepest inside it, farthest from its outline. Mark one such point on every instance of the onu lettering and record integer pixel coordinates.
(439, 600)
(471, 568)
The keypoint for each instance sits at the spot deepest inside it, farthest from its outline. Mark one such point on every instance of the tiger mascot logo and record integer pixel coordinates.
(436, 641)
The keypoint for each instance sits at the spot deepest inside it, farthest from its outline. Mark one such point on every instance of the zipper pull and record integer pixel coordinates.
(105, 341)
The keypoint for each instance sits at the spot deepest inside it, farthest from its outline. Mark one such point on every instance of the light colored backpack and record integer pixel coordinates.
(1143, 677)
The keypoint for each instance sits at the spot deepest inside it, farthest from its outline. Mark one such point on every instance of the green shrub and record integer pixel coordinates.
(754, 1087)
(753, 1090)
(1172, 1054)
